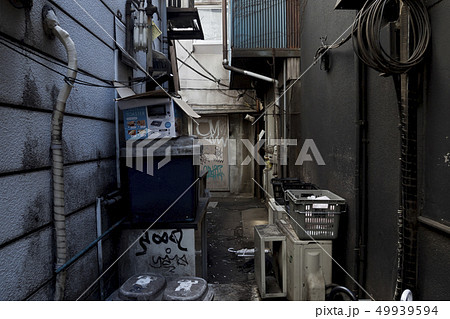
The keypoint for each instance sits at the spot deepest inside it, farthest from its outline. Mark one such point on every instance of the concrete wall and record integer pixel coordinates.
(241, 182)
(28, 93)
(324, 107)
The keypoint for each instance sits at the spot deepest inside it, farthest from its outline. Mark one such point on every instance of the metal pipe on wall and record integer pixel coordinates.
(88, 247)
(225, 64)
(359, 258)
(285, 170)
(116, 119)
(98, 217)
(149, 35)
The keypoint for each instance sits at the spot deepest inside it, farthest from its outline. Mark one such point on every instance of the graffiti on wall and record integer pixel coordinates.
(213, 131)
(168, 251)
(215, 172)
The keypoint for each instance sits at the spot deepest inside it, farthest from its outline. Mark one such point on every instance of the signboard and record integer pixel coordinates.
(135, 122)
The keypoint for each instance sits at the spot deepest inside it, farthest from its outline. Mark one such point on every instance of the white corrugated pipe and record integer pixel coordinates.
(59, 216)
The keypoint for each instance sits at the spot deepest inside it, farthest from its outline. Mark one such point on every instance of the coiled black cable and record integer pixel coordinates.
(367, 30)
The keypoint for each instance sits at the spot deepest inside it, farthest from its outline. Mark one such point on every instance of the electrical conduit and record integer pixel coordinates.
(57, 152)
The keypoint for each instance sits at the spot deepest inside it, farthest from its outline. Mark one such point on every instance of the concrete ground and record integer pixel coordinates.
(230, 225)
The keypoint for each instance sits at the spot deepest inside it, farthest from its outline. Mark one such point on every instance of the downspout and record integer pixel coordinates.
(285, 170)
(51, 24)
(245, 72)
(225, 55)
(359, 260)
(116, 118)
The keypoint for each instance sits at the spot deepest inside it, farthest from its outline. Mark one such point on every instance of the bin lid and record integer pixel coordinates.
(147, 286)
(186, 289)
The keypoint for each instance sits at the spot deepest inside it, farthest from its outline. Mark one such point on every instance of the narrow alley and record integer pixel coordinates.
(225, 150)
(230, 226)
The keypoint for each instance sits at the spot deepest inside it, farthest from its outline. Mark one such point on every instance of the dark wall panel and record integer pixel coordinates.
(383, 185)
(323, 108)
(434, 256)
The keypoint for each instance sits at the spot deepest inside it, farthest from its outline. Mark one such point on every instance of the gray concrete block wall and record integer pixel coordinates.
(28, 92)
(26, 264)
(26, 204)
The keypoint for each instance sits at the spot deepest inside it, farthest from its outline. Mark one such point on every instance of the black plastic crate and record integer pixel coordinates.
(313, 216)
(278, 193)
(281, 185)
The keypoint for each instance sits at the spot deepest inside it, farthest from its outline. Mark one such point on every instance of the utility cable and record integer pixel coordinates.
(41, 56)
(10, 44)
(199, 73)
(309, 67)
(320, 246)
(215, 81)
(137, 239)
(125, 51)
(198, 62)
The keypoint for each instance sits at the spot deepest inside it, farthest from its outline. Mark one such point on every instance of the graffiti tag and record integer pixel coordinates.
(169, 262)
(214, 172)
(176, 237)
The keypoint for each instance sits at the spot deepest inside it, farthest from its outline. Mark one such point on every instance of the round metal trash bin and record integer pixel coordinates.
(188, 289)
(143, 287)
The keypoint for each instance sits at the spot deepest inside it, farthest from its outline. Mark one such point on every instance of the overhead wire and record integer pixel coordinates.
(110, 83)
(16, 48)
(301, 75)
(141, 68)
(199, 73)
(351, 27)
(198, 62)
(215, 80)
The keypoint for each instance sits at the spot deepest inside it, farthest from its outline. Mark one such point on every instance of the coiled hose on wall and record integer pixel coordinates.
(366, 35)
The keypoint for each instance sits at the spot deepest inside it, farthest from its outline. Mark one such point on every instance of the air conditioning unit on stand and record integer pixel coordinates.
(309, 265)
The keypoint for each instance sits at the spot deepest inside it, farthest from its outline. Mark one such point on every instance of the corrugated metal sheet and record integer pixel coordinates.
(265, 24)
(293, 23)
